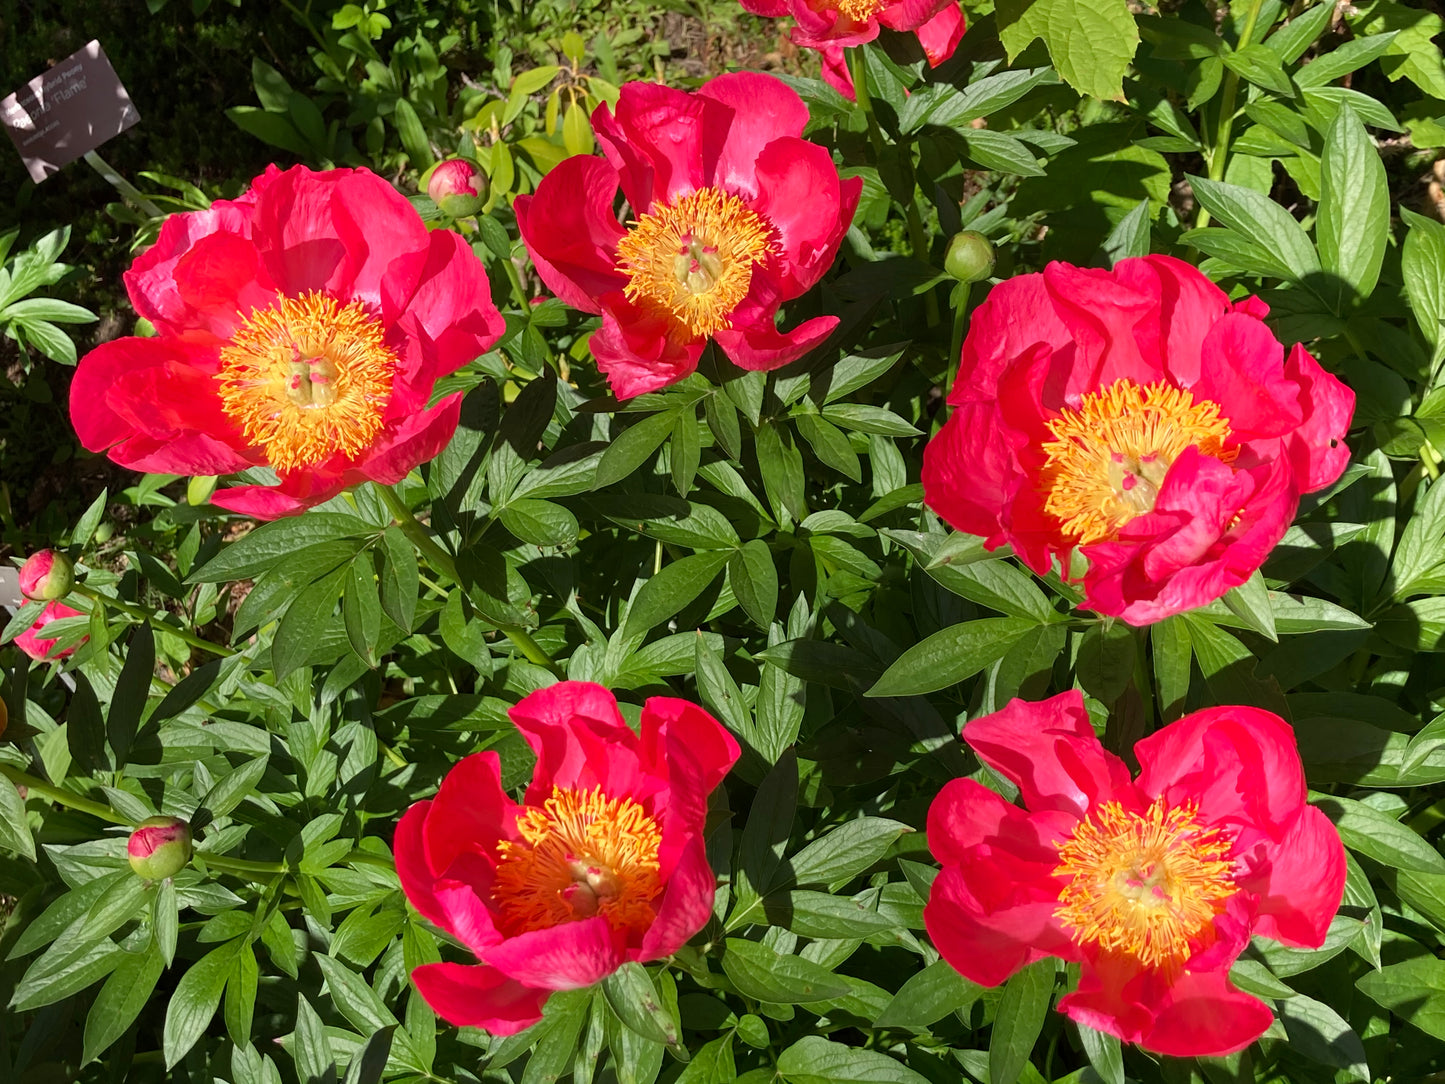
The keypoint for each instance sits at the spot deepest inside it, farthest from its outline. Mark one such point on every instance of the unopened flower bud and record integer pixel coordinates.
(458, 187)
(46, 576)
(970, 256)
(159, 847)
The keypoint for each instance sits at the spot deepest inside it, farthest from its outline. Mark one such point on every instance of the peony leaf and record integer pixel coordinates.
(757, 971)
(929, 996)
(1020, 1018)
(816, 1060)
(951, 655)
(1412, 989)
(1091, 42)
(1353, 227)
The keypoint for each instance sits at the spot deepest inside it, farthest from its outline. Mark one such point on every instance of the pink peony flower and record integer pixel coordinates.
(603, 862)
(302, 326)
(1153, 885)
(38, 648)
(832, 25)
(458, 187)
(734, 214)
(1138, 415)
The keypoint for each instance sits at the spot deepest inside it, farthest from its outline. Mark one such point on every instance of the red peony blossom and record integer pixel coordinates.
(734, 213)
(303, 327)
(37, 647)
(831, 25)
(603, 862)
(1137, 415)
(1153, 885)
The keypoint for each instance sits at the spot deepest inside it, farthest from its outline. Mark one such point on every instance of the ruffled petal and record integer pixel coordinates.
(477, 996)
(912, 14)
(654, 140)
(580, 740)
(1305, 883)
(1239, 765)
(449, 319)
(641, 350)
(685, 906)
(762, 346)
(683, 744)
(1114, 326)
(1204, 1015)
(1017, 316)
(565, 957)
(1242, 370)
(1317, 448)
(572, 234)
(763, 110)
(150, 281)
(800, 194)
(1048, 748)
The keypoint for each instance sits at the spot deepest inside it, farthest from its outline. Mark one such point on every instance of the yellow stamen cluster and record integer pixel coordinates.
(1144, 885)
(1109, 457)
(859, 10)
(307, 379)
(581, 854)
(694, 257)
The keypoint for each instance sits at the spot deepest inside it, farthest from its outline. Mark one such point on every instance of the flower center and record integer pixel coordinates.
(581, 854)
(695, 257)
(308, 379)
(859, 10)
(1108, 458)
(1145, 885)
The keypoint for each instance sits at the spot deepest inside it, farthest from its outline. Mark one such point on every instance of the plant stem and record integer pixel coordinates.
(61, 796)
(147, 615)
(443, 562)
(420, 537)
(241, 866)
(960, 325)
(1219, 154)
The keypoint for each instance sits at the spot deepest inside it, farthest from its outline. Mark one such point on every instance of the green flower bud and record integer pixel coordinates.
(970, 256)
(159, 847)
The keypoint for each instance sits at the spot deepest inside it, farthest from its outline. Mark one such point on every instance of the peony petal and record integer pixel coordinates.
(160, 394)
(1242, 369)
(1239, 765)
(478, 996)
(470, 813)
(968, 471)
(800, 194)
(941, 34)
(654, 140)
(912, 14)
(690, 749)
(1204, 1015)
(572, 234)
(39, 647)
(761, 346)
(987, 948)
(580, 740)
(836, 73)
(1048, 748)
(685, 906)
(565, 957)
(1305, 884)
(402, 445)
(150, 282)
(216, 284)
(1017, 316)
(640, 350)
(343, 231)
(1114, 327)
(763, 110)
(1318, 446)
(1189, 305)
(449, 320)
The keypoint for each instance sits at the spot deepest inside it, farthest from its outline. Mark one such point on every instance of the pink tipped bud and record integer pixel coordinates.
(159, 847)
(458, 187)
(46, 576)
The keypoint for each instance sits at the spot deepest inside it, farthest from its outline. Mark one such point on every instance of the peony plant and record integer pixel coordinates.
(536, 558)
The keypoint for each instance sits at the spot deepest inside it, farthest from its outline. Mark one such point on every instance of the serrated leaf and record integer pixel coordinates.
(1091, 42)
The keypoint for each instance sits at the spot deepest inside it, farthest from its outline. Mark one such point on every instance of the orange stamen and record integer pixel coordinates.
(308, 379)
(694, 257)
(1109, 457)
(581, 854)
(1144, 885)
